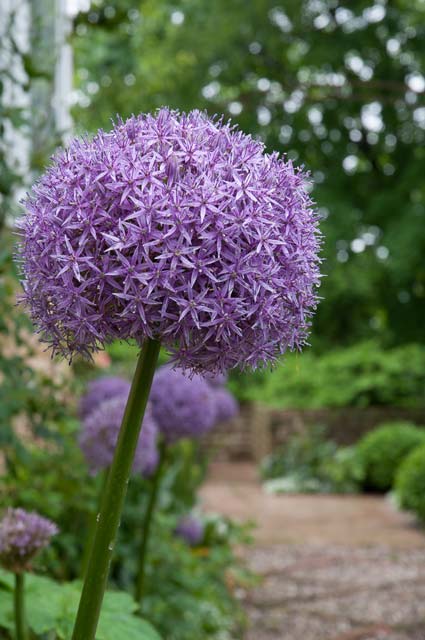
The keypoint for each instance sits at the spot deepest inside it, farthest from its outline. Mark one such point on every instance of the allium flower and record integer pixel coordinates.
(99, 436)
(191, 530)
(182, 407)
(102, 389)
(226, 405)
(177, 227)
(22, 535)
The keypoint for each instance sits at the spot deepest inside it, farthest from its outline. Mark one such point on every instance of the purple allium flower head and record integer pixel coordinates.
(191, 530)
(99, 435)
(22, 535)
(177, 227)
(182, 407)
(226, 405)
(102, 389)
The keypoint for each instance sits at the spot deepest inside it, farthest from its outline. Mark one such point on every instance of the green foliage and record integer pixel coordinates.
(310, 463)
(190, 595)
(360, 376)
(383, 449)
(344, 472)
(51, 607)
(55, 482)
(410, 483)
(303, 454)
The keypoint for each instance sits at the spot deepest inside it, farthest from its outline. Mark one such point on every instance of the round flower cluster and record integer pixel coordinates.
(177, 227)
(102, 389)
(182, 407)
(191, 530)
(99, 435)
(22, 535)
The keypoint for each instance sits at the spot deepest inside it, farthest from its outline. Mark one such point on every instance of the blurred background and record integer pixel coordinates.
(338, 87)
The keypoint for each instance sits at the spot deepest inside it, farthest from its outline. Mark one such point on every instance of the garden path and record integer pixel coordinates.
(332, 567)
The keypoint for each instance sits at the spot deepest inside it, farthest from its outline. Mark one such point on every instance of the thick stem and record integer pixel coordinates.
(19, 603)
(91, 528)
(114, 495)
(156, 481)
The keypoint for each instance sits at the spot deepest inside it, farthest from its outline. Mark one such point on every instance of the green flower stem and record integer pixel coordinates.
(91, 525)
(19, 604)
(113, 497)
(156, 481)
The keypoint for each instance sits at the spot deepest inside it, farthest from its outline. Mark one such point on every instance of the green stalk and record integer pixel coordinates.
(156, 481)
(92, 521)
(113, 497)
(19, 604)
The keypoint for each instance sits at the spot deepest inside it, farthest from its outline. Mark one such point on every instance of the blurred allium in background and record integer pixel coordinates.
(190, 529)
(226, 404)
(102, 389)
(99, 435)
(177, 227)
(182, 407)
(22, 535)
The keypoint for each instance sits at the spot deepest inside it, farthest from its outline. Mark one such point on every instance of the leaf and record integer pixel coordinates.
(7, 580)
(6, 611)
(53, 606)
(115, 626)
(43, 601)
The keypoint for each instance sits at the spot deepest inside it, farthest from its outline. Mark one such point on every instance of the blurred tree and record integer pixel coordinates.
(337, 86)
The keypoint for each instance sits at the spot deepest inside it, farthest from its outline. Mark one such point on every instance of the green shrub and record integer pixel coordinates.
(360, 376)
(344, 472)
(311, 463)
(383, 449)
(302, 455)
(410, 483)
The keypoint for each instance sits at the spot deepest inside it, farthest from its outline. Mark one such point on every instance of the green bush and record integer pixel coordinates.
(311, 463)
(383, 449)
(344, 472)
(360, 376)
(410, 483)
(302, 455)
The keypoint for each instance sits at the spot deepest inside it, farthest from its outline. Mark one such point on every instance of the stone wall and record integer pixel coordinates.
(259, 430)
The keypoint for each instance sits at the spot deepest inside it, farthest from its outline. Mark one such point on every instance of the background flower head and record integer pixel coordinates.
(190, 529)
(182, 407)
(22, 535)
(177, 227)
(226, 405)
(100, 390)
(99, 435)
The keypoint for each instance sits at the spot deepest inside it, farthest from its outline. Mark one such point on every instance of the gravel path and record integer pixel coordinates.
(332, 567)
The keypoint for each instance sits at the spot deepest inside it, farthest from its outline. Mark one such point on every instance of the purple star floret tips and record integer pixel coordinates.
(22, 535)
(176, 227)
